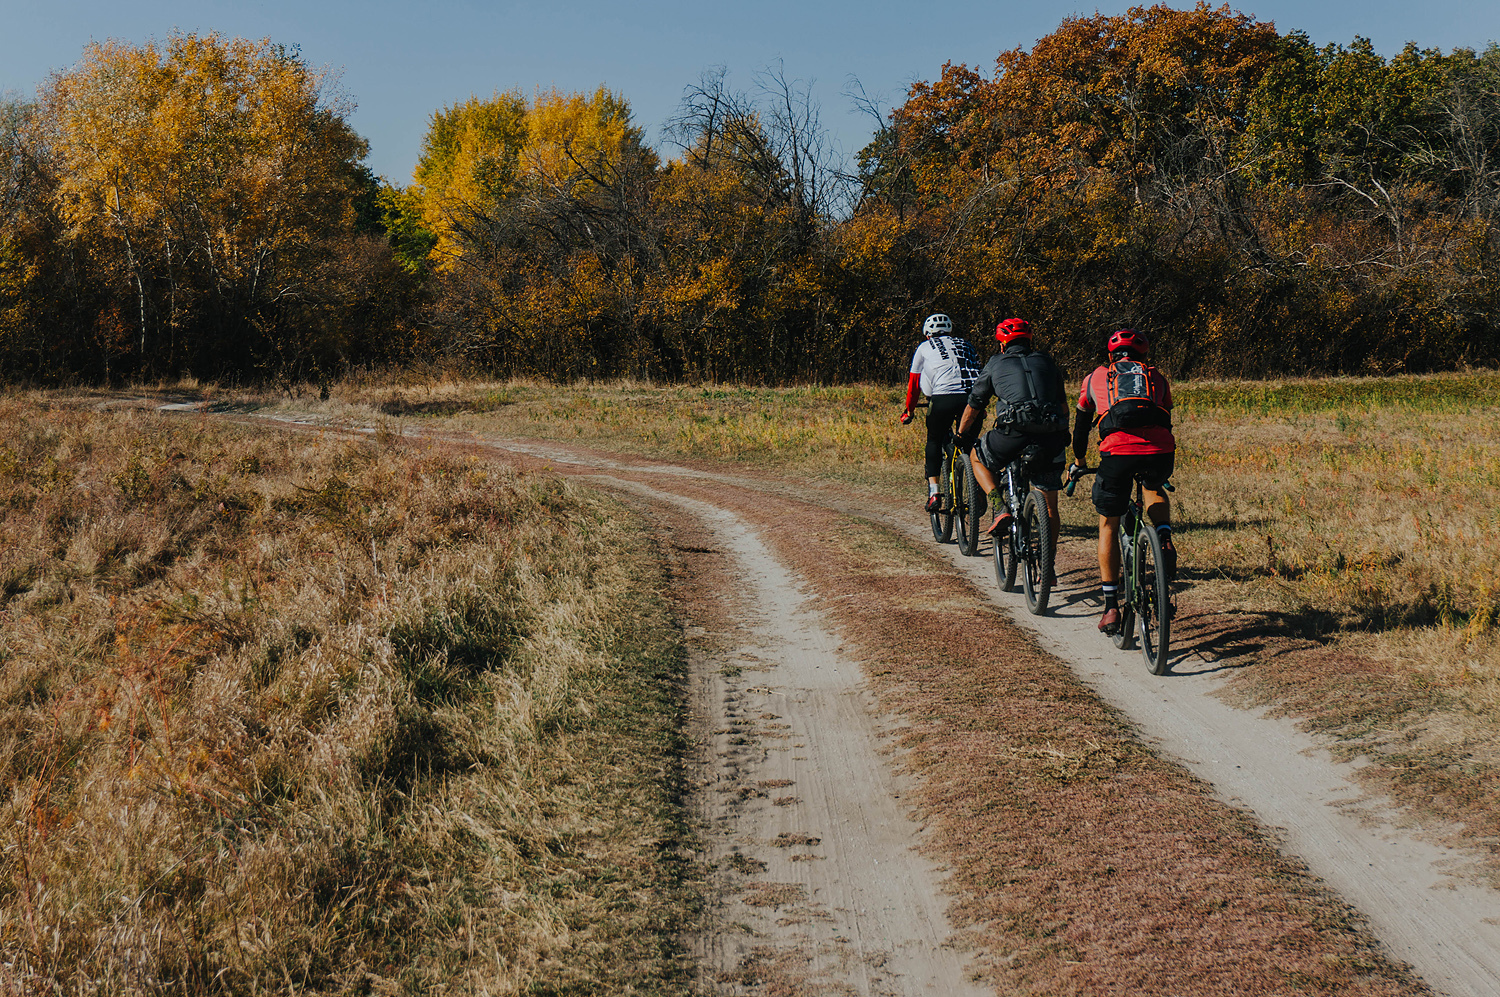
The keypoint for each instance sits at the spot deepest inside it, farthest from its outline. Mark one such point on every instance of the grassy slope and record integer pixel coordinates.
(1341, 535)
(284, 711)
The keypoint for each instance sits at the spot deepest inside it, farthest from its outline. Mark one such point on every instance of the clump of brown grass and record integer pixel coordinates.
(291, 711)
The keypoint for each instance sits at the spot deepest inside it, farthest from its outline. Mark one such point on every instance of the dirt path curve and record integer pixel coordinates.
(820, 886)
(1414, 893)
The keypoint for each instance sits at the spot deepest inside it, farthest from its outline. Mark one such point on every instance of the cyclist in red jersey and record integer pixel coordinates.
(1135, 438)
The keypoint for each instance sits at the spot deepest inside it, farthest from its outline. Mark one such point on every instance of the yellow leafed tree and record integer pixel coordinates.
(205, 172)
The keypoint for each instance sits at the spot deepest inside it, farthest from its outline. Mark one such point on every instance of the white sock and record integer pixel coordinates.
(931, 488)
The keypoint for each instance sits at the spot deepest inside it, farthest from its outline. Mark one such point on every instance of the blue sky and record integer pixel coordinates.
(401, 61)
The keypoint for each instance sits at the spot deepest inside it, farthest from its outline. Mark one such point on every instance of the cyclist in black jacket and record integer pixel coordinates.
(1032, 411)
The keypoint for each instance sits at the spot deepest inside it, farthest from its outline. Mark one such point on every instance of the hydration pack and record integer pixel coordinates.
(1039, 406)
(1134, 398)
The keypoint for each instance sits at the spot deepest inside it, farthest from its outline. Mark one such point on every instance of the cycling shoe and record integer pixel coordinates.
(935, 503)
(1000, 525)
(1109, 623)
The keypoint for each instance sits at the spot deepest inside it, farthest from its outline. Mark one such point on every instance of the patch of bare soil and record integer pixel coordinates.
(818, 889)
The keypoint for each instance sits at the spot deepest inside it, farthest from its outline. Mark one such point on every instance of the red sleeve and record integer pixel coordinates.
(1085, 400)
(913, 382)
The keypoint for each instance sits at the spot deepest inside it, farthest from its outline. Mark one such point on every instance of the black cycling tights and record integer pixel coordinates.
(942, 410)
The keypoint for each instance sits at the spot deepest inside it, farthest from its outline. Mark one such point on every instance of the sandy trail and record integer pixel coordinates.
(1416, 894)
(821, 887)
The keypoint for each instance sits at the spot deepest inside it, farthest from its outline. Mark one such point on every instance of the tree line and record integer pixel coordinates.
(1257, 203)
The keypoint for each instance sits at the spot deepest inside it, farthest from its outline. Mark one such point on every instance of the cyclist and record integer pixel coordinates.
(943, 368)
(1131, 403)
(1031, 410)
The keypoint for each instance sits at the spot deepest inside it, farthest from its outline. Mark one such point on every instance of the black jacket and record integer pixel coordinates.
(1005, 377)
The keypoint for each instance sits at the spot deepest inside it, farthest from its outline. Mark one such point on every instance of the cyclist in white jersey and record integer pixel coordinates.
(943, 368)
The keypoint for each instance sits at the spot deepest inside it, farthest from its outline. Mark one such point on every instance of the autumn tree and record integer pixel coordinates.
(205, 177)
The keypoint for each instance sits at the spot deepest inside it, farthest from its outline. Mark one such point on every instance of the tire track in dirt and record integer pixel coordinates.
(1415, 893)
(820, 888)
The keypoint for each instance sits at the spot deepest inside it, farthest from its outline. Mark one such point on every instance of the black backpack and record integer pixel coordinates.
(1039, 406)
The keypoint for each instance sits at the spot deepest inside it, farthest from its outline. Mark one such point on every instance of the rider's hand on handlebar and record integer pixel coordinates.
(1075, 470)
(906, 417)
(966, 442)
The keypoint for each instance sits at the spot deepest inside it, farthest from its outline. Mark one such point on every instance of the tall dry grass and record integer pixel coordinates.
(290, 712)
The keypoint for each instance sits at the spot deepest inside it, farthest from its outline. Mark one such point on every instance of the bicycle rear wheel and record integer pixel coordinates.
(969, 529)
(942, 520)
(1006, 561)
(1036, 549)
(1153, 604)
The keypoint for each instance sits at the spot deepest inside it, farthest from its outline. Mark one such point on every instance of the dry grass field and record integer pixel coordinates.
(290, 712)
(1340, 537)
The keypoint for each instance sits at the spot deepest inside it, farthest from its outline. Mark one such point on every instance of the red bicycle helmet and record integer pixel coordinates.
(1012, 329)
(1128, 339)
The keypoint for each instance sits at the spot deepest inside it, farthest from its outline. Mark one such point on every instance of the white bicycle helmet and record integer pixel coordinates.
(937, 325)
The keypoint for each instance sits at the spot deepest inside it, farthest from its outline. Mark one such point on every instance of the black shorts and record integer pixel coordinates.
(942, 412)
(997, 449)
(1114, 484)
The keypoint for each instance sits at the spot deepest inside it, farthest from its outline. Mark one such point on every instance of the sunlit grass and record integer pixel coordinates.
(293, 712)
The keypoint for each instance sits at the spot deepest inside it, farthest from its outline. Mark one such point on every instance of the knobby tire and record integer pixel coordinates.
(1036, 536)
(1005, 558)
(1154, 596)
(969, 522)
(942, 521)
(1125, 636)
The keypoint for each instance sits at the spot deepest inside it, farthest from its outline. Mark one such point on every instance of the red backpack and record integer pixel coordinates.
(1134, 398)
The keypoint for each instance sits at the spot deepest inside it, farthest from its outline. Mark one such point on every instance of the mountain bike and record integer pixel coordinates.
(1026, 548)
(1145, 590)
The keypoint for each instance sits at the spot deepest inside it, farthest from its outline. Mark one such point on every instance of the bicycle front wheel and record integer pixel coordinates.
(942, 520)
(969, 528)
(1153, 605)
(1125, 636)
(1036, 549)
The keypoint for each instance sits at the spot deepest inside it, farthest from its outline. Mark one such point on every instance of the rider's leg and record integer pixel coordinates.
(1109, 550)
(1158, 506)
(983, 475)
(1109, 572)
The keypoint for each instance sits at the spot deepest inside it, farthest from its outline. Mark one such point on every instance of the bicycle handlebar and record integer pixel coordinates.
(1082, 472)
(1073, 479)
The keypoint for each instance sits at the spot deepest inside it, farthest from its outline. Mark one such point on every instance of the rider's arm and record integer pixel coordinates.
(913, 383)
(971, 419)
(1082, 423)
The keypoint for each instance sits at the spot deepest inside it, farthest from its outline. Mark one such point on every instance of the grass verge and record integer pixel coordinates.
(290, 712)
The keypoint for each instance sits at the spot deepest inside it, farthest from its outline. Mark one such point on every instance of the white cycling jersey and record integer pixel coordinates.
(947, 364)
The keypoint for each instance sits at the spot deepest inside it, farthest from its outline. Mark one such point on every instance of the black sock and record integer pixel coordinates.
(1111, 600)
